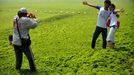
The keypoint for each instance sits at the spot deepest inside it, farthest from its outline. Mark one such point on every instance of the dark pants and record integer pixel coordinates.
(19, 54)
(96, 34)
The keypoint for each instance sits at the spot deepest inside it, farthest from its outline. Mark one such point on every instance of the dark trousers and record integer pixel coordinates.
(96, 34)
(19, 54)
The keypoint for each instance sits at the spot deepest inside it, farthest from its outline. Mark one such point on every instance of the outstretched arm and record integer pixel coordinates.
(121, 10)
(85, 3)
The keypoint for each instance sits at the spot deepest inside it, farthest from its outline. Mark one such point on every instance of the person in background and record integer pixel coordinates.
(103, 15)
(113, 24)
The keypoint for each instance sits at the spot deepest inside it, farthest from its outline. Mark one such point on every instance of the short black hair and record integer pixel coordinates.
(21, 14)
(113, 6)
(107, 1)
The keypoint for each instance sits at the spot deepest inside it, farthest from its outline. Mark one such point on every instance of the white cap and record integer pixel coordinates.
(23, 10)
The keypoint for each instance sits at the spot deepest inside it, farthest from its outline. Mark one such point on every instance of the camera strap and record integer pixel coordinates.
(18, 28)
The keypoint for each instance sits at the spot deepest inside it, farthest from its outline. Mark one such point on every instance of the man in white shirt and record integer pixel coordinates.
(101, 23)
(114, 25)
(21, 25)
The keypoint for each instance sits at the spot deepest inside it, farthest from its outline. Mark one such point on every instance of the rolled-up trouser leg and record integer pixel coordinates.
(110, 37)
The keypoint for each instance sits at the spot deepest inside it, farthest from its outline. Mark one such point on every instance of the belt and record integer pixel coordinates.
(114, 26)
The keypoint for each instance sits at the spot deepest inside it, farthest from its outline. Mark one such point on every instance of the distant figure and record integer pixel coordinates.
(113, 23)
(103, 15)
(21, 38)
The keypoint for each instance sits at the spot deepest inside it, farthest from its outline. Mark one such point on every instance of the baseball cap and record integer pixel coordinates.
(23, 10)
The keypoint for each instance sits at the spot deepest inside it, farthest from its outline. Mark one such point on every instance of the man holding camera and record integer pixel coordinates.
(22, 23)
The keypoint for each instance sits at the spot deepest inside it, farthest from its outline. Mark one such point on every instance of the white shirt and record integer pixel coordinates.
(25, 24)
(113, 19)
(102, 17)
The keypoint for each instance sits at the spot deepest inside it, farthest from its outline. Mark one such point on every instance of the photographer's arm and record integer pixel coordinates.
(31, 23)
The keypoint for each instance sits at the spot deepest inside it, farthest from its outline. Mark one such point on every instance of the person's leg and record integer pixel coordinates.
(29, 55)
(95, 36)
(18, 54)
(104, 36)
(113, 33)
(110, 37)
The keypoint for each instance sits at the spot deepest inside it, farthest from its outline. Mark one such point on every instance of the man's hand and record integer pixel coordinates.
(85, 3)
(122, 10)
